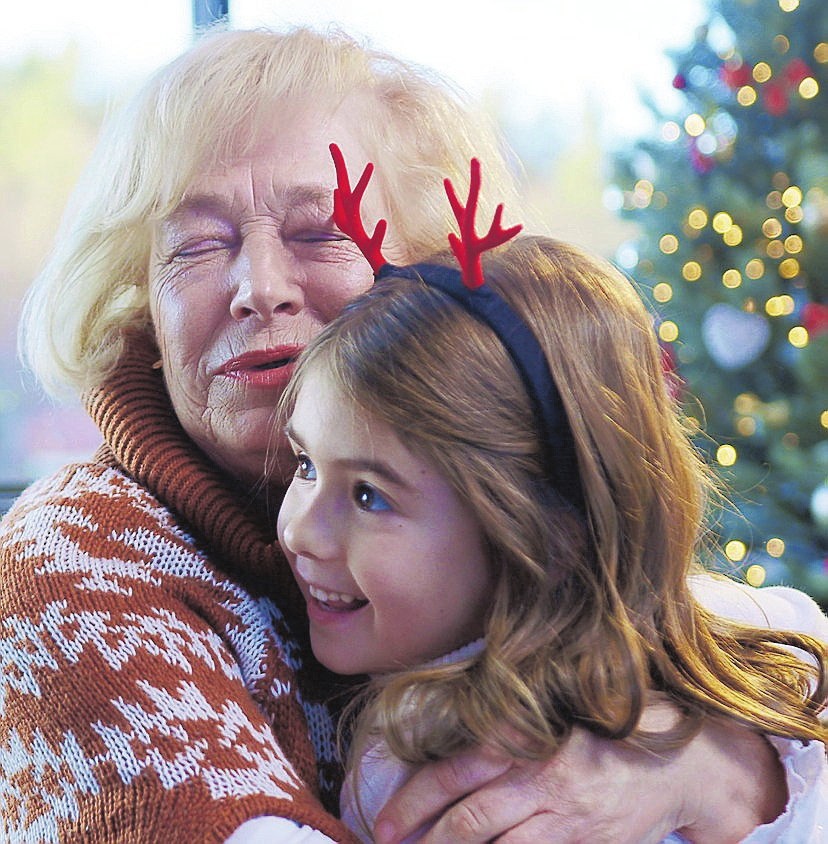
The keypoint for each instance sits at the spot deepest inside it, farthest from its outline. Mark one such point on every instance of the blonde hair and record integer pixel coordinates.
(592, 618)
(191, 115)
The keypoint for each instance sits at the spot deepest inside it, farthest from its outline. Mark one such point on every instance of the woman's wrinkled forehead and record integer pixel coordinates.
(269, 127)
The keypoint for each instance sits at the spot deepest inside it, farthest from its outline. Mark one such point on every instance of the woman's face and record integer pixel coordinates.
(245, 271)
(391, 560)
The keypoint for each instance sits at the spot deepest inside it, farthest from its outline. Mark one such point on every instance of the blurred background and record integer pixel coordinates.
(687, 142)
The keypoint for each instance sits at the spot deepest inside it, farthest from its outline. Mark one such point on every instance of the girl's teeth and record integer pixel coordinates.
(330, 597)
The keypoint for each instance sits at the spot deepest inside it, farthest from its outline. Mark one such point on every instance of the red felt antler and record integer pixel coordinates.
(346, 214)
(468, 247)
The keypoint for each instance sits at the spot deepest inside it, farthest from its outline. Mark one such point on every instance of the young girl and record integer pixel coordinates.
(497, 514)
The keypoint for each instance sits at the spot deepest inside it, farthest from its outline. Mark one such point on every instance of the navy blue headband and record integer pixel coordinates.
(526, 354)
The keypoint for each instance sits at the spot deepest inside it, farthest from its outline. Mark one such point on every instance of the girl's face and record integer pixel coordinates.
(391, 561)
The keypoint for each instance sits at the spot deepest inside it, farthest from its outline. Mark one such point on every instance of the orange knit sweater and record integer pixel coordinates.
(153, 685)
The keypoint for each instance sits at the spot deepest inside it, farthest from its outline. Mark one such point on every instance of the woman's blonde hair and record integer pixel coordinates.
(194, 113)
(592, 617)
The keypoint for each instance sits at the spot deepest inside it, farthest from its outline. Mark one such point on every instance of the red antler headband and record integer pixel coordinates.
(467, 288)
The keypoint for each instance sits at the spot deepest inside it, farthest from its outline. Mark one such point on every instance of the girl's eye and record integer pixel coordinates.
(367, 498)
(305, 468)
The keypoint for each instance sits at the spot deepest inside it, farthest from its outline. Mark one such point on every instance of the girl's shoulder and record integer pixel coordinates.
(777, 607)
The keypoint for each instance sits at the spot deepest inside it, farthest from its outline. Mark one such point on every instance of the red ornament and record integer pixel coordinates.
(795, 72)
(775, 99)
(814, 318)
(736, 75)
(679, 82)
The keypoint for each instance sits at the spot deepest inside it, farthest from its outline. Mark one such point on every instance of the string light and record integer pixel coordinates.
(775, 249)
(792, 196)
(823, 418)
(668, 331)
(755, 574)
(808, 88)
(755, 268)
(789, 268)
(735, 550)
(691, 271)
(726, 455)
(746, 95)
(697, 218)
(775, 547)
(694, 125)
(795, 214)
(668, 244)
(670, 131)
(746, 403)
(774, 200)
(762, 72)
(731, 279)
(733, 236)
(793, 244)
(771, 227)
(821, 52)
(788, 5)
(662, 292)
(746, 426)
(798, 337)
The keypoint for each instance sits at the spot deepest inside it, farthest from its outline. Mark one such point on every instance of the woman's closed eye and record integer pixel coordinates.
(368, 498)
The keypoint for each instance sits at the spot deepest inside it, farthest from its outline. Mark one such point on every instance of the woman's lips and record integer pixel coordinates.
(263, 367)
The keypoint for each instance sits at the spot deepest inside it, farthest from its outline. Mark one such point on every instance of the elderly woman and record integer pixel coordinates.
(157, 683)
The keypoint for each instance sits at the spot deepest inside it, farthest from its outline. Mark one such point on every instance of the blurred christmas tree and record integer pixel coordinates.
(732, 205)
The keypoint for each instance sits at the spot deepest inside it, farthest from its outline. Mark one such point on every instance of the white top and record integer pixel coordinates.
(804, 821)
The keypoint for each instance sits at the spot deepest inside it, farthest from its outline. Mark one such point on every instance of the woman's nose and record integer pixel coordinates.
(268, 280)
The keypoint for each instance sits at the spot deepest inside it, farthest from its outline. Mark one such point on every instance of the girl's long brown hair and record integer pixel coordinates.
(592, 618)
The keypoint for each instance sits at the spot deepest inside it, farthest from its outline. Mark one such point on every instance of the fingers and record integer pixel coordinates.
(434, 788)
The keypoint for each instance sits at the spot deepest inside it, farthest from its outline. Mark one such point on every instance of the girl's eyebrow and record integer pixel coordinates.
(359, 464)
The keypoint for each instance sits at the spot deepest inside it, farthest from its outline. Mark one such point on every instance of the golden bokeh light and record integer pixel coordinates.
(697, 218)
(808, 88)
(733, 236)
(722, 221)
(771, 227)
(726, 455)
(755, 268)
(691, 271)
(668, 331)
(789, 268)
(735, 550)
(775, 546)
(746, 95)
(793, 244)
(755, 574)
(694, 125)
(668, 244)
(662, 292)
(792, 196)
(731, 279)
(762, 72)
(798, 337)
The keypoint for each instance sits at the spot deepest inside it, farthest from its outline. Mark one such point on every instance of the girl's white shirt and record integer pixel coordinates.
(804, 821)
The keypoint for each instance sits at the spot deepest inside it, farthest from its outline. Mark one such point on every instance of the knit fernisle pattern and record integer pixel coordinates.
(152, 687)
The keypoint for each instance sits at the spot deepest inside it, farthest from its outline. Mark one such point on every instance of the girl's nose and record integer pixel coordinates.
(307, 525)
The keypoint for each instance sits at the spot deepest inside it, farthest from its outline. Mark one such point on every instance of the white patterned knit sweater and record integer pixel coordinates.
(151, 689)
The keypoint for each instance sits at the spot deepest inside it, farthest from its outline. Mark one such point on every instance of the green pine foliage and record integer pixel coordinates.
(731, 202)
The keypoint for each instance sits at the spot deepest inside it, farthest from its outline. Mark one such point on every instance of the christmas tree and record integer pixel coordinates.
(731, 199)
